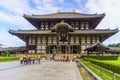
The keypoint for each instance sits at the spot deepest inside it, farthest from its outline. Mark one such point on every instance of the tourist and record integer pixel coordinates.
(36, 60)
(39, 60)
(67, 58)
(25, 59)
(74, 58)
(33, 59)
(21, 60)
(54, 53)
(30, 60)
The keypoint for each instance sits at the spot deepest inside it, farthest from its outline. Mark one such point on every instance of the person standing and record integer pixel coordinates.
(53, 53)
(21, 60)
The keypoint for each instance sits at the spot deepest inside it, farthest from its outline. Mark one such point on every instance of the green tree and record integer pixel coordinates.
(114, 45)
(6, 53)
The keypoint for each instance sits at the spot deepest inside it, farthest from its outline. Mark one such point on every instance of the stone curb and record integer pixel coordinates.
(92, 73)
(79, 77)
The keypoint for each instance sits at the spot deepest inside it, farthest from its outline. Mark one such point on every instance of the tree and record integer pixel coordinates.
(114, 45)
(6, 53)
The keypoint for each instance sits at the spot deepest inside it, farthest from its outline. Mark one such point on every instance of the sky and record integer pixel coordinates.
(12, 11)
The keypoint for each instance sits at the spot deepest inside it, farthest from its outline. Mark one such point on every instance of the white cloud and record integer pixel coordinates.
(15, 20)
(112, 18)
(10, 41)
(16, 8)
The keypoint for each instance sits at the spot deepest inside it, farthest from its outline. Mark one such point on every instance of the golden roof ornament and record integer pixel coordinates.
(74, 11)
(58, 11)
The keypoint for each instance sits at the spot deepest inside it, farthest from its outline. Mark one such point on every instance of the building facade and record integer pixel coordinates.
(67, 32)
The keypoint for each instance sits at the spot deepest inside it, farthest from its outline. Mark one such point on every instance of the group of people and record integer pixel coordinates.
(36, 59)
(29, 60)
(65, 58)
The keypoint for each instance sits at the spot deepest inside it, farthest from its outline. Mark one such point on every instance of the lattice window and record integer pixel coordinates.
(82, 25)
(98, 40)
(39, 39)
(54, 39)
(32, 51)
(43, 39)
(42, 25)
(77, 25)
(87, 25)
(83, 40)
(46, 26)
(49, 39)
(52, 24)
(72, 39)
(93, 39)
(72, 24)
(31, 40)
(77, 39)
(88, 39)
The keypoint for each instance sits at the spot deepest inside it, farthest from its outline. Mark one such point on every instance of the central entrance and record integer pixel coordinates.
(63, 49)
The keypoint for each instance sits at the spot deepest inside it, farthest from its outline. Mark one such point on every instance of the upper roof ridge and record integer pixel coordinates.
(65, 13)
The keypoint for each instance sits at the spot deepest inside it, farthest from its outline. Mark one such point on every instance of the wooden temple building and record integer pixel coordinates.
(67, 32)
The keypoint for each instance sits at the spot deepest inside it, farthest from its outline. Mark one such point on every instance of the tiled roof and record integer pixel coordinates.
(97, 47)
(115, 48)
(62, 24)
(94, 31)
(64, 15)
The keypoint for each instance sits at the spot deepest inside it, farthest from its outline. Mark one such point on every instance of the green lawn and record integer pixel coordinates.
(6, 59)
(116, 62)
(104, 74)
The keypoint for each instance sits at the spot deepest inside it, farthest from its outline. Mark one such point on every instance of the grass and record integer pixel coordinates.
(7, 59)
(103, 73)
(115, 62)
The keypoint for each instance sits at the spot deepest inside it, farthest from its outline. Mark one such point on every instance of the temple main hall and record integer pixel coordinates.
(67, 32)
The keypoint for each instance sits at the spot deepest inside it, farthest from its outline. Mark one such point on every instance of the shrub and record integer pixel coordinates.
(6, 53)
(101, 57)
(111, 67)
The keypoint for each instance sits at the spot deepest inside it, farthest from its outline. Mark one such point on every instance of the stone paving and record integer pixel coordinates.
(47, 70)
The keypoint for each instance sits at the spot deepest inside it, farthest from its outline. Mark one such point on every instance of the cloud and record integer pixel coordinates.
(112, 18)
(10, 41)
(110, 7)
(11, 11)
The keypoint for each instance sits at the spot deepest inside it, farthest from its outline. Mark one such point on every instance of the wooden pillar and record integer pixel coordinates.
(58, 46)
(68, 49)
(36, 43)
(69, 39)
(27, 43)
(100, 39)
(91, 40)
(79, 44)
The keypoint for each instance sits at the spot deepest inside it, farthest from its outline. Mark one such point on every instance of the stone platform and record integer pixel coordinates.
(47, 70)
